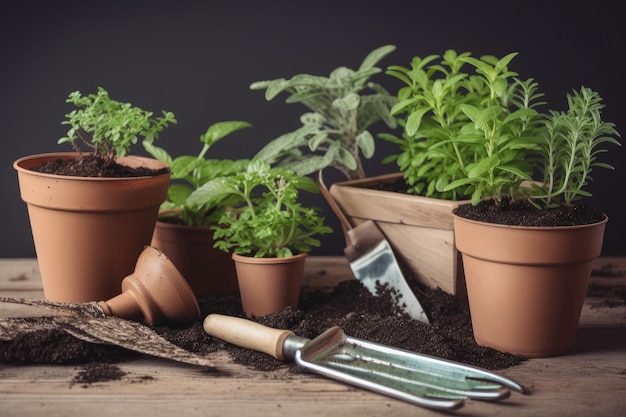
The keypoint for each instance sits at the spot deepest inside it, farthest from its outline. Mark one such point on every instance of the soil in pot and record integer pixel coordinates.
(518, 213)
(92, 166)
(521, 213)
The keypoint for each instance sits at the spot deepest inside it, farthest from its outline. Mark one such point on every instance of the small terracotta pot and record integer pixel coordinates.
(209, 271)
(89, 232)
(269, 285)
(526, 285)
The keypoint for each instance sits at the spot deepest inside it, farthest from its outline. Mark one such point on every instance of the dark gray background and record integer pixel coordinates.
(197, 59)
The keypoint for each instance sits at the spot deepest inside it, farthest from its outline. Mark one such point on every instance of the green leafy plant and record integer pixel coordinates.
(110, 127)
(569, 148)
(479, 134)
(335, 133)
(190, 172)
(463, 132)
(269, 222)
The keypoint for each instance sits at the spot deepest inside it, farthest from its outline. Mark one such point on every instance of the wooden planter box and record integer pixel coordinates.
(420, 230)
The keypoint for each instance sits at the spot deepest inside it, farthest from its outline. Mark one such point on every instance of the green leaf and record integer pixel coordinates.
(348, 103)
(178, 193)
(275, 87)
(375, 56)
(414, 121)
(220, 130)
(303, 96)
(211, 191)
(365, 142)
(275, 148)
(483, 166)
(157, 153)
(346, 158)
(317, 139)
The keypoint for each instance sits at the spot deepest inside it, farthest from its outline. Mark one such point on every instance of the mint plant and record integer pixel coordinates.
(269, 221)
(190, 172)
(479, 134)
(464, 132)
(335, 133)
(110, 127)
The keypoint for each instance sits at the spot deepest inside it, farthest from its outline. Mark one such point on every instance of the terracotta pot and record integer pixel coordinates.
(155, 292)
(526, 285)
(420, 230)
(89, 232)
(209, 271)
(269, 285)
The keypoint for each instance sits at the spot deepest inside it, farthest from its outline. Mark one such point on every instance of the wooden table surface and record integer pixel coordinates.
(590, 380)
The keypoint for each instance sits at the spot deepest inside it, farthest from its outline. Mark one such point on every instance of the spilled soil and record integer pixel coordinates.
(349, 305)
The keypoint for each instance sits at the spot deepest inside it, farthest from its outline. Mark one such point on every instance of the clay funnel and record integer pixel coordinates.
(155, 292)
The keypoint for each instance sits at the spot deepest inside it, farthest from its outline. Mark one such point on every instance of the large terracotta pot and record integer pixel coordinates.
(526, 285)
(209, 271)
(420, 230)
(269, 285)
(89, 232)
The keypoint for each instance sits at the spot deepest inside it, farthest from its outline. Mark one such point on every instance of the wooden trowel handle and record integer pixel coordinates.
(247, 334)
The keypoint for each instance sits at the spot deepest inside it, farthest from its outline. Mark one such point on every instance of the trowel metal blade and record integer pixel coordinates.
(373, 263)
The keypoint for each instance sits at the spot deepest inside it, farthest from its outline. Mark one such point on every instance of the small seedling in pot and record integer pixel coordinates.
(108, 128)
(269, 221)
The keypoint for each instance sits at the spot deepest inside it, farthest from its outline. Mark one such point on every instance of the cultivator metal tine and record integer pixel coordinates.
(420, 379)
(480, 378)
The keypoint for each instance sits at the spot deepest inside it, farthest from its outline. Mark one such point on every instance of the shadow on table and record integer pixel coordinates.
(599, 339)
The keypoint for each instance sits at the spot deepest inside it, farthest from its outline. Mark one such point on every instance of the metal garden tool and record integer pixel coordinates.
(418, 379)
(372, 260)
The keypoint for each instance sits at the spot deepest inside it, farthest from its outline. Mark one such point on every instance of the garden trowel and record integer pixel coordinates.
(372, 260)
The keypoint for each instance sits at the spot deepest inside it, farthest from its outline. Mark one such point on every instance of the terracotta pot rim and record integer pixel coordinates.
(253, 260)
(539, 228)
(17, 165)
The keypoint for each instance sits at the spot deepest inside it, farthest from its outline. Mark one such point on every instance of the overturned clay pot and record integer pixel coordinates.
(155, 292)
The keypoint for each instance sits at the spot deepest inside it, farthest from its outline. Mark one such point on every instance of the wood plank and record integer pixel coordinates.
(588, 380)
(357, 201)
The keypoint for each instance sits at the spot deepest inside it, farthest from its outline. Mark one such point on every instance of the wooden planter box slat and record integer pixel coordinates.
(420, 230)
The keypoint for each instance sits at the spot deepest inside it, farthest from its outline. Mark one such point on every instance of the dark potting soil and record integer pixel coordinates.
(98, 372)
(514, 213)
(90, 165)
(522, 213)
(349, 305)
(362, 315)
